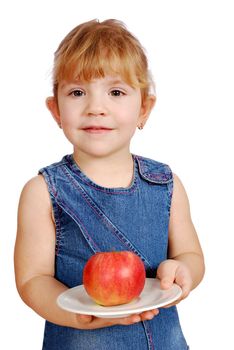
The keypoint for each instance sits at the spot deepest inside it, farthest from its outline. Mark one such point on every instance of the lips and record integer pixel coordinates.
(96, 129)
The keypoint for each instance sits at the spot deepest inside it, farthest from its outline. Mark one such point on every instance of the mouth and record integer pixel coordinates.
(96, 129)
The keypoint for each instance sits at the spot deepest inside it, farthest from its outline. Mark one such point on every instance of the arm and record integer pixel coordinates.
(34, 262)
(185, 264)
(34, 254)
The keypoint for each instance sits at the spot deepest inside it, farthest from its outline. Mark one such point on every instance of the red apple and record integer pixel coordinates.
(114, 278)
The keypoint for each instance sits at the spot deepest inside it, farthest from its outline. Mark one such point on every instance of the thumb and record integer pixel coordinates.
(166, 273)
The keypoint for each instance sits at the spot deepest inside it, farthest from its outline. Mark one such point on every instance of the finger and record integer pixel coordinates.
(98, 322)
(166, 273)
(84, 319)
(135, 318)
(126, 321)
(149, 315)
(91, 322)
(186, 288)
(184, 280)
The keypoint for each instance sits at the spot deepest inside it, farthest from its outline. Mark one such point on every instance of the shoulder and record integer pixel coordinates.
(35, 195)
(179, 188)
(180, 201)
(35, 185)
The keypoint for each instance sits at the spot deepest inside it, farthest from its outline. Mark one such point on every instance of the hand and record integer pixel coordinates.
(92, 322)
(173, 271)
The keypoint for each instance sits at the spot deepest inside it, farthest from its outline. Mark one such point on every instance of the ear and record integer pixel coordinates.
(146, 108)
(52, 105)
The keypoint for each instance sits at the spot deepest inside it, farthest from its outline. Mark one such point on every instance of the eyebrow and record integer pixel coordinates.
(114, 81)
(117, 81)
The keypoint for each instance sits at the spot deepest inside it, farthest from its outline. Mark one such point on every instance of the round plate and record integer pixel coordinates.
(77, 300)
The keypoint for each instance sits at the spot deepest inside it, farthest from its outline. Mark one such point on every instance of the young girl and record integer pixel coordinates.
(103, 198)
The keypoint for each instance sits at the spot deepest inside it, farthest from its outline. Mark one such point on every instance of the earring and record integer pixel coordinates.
(140, 127)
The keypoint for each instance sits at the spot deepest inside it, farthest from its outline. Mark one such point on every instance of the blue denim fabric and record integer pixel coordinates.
(90, 218)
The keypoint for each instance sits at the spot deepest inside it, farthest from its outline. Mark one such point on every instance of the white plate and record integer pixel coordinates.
(77, 300)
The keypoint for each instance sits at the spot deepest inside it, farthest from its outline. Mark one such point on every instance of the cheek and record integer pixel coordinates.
(67, 115)
(130, 117)
(128, 127)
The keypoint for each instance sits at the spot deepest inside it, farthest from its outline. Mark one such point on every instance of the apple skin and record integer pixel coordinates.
(114, 278)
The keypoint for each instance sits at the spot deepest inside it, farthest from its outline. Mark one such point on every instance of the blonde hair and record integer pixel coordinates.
(94, 49)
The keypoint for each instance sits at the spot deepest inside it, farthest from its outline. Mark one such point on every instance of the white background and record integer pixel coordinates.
(191, 54)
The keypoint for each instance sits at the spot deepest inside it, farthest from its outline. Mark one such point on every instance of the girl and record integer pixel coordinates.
(103, 198)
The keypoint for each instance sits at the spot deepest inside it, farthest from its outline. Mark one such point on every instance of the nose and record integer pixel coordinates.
(96, 106)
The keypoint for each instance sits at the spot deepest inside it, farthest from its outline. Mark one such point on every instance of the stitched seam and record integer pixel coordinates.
(87, 236)
(170, 187)
(103, 218)
(85, 233)
(109, 191)
(126, 191)
(148, 336)
(49, 181)
(58, 229)
(53, 193)
(151, 176)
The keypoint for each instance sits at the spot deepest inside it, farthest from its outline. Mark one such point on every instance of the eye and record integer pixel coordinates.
(77, 93)
(117, 92)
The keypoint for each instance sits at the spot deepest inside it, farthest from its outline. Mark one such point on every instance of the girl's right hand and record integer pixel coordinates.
(92, 322)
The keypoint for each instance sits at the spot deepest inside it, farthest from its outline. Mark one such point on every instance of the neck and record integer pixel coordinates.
(110, 171)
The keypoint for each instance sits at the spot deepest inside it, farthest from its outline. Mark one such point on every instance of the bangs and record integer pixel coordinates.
(98, 65)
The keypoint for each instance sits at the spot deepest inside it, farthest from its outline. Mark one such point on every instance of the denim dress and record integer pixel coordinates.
(90, 218)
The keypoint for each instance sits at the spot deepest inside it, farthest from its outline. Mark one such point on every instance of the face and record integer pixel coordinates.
(99, 117)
